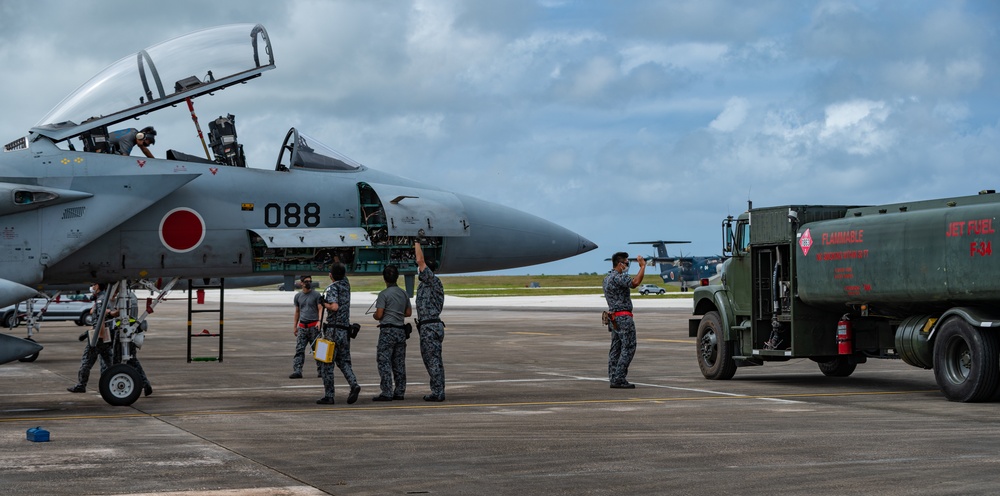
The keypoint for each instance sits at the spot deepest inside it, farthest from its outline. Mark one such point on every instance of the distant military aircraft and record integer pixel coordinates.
(74, 216)
(683, 270)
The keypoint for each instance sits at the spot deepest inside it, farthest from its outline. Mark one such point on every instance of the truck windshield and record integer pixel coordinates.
(742, 237)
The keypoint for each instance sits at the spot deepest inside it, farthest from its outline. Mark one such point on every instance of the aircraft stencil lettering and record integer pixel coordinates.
(72, 217)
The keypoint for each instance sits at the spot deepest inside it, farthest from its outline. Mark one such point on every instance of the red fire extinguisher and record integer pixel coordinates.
(845, 336)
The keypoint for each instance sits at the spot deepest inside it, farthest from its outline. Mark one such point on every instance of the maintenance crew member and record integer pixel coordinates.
(391, 306)
(308, 304)
(338, 329)
(618, 293)
(125, 139)
(430, 300)
(103, 346)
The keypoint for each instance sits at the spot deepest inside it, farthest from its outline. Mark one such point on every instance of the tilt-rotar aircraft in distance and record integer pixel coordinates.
(72, 216)
(683, 270)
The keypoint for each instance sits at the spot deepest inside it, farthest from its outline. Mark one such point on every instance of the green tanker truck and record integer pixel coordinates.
(841, 284)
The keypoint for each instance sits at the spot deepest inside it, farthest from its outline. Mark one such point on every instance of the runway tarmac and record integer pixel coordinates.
(528, 411)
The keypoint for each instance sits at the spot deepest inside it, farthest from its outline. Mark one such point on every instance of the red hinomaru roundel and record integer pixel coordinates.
(182, 230)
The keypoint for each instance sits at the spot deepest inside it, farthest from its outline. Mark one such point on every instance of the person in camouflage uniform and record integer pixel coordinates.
(103, 348)
(338, 329)
(308, 305)
(618, 293)
(430, 299)
(391, 306)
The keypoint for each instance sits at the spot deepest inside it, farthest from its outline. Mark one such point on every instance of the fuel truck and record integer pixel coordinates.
(842, 284)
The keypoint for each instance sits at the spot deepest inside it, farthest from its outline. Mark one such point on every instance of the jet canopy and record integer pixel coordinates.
(161, 75)
(305, 152)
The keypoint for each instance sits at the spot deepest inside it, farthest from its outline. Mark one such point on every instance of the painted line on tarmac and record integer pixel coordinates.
(251, 491)
(693, 390)
(712, 396)
(656, 340)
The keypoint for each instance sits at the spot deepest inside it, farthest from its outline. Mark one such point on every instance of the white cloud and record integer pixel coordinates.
(694, 56)
(732, 116)
(856, 127)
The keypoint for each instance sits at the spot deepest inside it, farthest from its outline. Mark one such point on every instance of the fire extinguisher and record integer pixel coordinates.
(845, 336)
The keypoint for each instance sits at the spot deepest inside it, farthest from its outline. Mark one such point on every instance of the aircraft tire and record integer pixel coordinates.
(715, 354)
(30, 358)
(120, 385)
(841, 366)
(966, 362)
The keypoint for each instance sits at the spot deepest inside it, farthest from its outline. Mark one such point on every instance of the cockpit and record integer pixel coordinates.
(162, 75)
(302, 151)
(173, 73)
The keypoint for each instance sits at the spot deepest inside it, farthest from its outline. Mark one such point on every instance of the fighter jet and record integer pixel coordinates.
(74, 209)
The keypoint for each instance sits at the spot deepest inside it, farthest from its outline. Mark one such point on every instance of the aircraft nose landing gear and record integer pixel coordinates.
(121, 385)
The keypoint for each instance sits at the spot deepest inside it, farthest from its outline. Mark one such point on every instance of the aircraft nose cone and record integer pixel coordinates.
(503, 238)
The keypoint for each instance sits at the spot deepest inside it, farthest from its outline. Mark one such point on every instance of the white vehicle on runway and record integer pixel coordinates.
(645, 289)
(74, 307)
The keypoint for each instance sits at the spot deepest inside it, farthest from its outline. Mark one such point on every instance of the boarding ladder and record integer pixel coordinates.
(197, 292)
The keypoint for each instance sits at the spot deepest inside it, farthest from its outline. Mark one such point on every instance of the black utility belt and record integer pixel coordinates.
(352, 329)
(430, 321)
(407, 328)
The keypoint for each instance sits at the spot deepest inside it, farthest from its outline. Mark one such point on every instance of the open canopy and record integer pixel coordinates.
(162, 75)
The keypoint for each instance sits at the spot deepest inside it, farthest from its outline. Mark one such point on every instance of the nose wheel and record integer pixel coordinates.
(121, 385)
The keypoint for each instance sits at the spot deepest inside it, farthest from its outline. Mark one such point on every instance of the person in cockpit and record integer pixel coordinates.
(125, 139)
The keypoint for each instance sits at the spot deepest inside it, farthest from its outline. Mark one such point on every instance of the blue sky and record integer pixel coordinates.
(622, 121)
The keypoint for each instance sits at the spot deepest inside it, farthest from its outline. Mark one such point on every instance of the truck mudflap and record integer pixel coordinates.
(693, 326)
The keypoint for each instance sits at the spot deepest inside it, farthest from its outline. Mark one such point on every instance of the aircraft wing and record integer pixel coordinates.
(36, 237)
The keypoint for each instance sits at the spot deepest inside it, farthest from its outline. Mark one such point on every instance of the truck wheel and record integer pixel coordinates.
(715, 354)
(966, 361)
(838, 367)
(120, 385)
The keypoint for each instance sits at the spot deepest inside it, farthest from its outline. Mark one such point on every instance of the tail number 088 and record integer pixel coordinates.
(291, 215)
